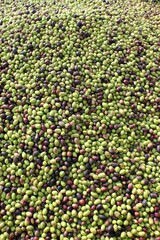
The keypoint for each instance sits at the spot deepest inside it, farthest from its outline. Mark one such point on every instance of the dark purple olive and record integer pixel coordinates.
(158, 148)
(99, 207)
(154, 195)
(102, 217)
(78, 196)
(110, 229)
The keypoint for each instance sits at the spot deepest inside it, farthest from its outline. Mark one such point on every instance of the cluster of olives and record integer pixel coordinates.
(79, 120)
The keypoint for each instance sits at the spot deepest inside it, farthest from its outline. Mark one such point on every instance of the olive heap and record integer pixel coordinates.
(79, 120)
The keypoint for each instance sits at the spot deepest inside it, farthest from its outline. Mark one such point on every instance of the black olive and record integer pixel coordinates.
(52, 182)
(51, 118)
(35, 153)
(144, 203)
(154, 195)
(59, 188)
(36, 138)
(78, 53)
(79, 24)
(14, 50)
(4, 154)
(6, 189)
(110, 228)
(42, 70)
(63, 29)
(56, 173)
(111, 41)
(86, 173)
(141, 89)
(39, 161)
(65, 178)
(30, 46)
(119, 48)
(16, 127)
(5, 100)
(5, 65)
